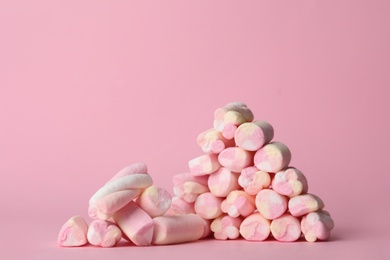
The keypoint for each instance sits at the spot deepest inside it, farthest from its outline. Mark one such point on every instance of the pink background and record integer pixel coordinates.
(88, 87)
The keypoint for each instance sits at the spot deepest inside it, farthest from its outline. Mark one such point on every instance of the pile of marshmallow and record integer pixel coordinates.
(242, 186)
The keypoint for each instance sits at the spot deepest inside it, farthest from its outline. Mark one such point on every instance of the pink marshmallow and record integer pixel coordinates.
(272, 157)
(73, 232)
(103, 233)
(226, 227)
(252, 180)
(252, 136)
(155, 201)
(135, 168)
(235, 158)
(238, 203)
(271, 204)
(222, 182)
(212, 141)
(178, 229)
(208, 206)
(188, 187)
(304, 204)
(317, 225)
(204, 164)
(290, 182)
(135, 223)
(286, 228)
(180, 207)
(255, 227)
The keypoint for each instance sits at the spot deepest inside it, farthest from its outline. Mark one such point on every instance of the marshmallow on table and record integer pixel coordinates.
(155, 201)
(290, 182)
(180, 207)
(188, 187)
(235, 158)
(223, 181)
(208, 206)
(212, 141)
(135, 223)
(204, 164)
(103, 233)
(226, 227)
(252, 180)
(73, 232)
(134, 168)
(317, 225)
(238, 203)
(271, 204)
(252, 136)
(178, 229)
(286, 228)
(272, 157)
(255, 227)
(304, 204)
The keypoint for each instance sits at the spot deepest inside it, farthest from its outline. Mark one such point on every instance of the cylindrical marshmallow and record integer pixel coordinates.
(155, 201)
(204, 164)
(235, 158)
(226, 227)
(180, 207)
(222, 182)
(252, 136)
(255, 227)
(73, 232)
(135, 168)
(317, 225)
(221, 119)
(188, 187)
(103, 233)
(290, 182)
(208, 206)
(253, 180)
(212, 141)
(272, 157)
(238, 203)
(271, 204)
(178, 229)
(286, 228)
(304, 204)
(135, 223)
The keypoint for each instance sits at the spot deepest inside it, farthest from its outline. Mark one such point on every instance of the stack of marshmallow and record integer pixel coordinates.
(129, 206)
(243, 184)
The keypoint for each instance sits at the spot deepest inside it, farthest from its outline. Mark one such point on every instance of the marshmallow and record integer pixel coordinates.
(304, 204)
(204, 164)
(134, 168)
(317, 225)
(235, 158)
(135, 223)
(73, 232)
(155, 201)
(227, 119)
(272, 157)
(286, 228)
(103, 233)
(188, 187)
(222, 182)
(290, 182)
(178, 229)
(255, 227)
(208, 206)
(226, 227)
(253, 180)
(212, 141)
(180, 207)
(238, 203)
(252, 136)
(271, 204)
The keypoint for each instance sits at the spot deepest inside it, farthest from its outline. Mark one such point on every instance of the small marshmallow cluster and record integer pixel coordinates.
(244, 185)
(241, 186)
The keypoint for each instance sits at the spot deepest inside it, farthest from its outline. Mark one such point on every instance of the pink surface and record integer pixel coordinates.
(88, 87)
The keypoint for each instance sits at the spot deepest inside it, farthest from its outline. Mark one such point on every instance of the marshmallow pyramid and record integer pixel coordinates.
(241, 186)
